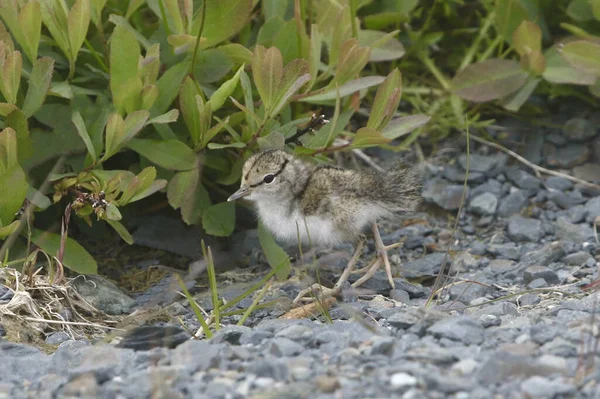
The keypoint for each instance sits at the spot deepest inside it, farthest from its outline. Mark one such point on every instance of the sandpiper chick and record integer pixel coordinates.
(327, 205)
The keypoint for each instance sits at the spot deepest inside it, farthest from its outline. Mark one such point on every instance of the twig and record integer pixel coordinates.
(536, 168)
(71, 323)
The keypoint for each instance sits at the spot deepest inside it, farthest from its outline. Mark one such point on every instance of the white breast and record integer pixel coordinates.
(291, 227)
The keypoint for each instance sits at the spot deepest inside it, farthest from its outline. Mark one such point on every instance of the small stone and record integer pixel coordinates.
(543, 272)
(402, 380)
(559, 183)
(400, 296)
(57, 338)
(285, 347)
(458, 328)
(544, 256)
(579, 258)
(6, 294)
(524, 229)
(568, 156)
(478, 248)
(466, 366)
(484, 204)
(572, 232)
(541, 387)
(522, 179)
(489, 320)
(405, 318)
(579, 129)
(513, 204)
(382, 346)
(501, 266)
(566, 200)
(577, 214)
(327, 384)
(592, 208)
(428, 265)
(588, 172)
(507, 251)
(445, 195)
(529, 299)
(537, 283)
(103, 294)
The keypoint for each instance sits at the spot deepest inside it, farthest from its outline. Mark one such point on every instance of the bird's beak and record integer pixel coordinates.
(242, 192)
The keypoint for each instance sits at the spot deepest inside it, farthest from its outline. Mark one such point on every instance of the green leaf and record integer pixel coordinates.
(218, 146)
(596, 9)
(76, 258)
(514, 101)
(345, 90)
(18, 122)
(82, 131)
(404, 125)
(156, 186)
(13, 186)
(237, 53)
(30, 22)
(113, 213)
(211, 66)
(583, 55)
(352, 60)
(489, 80)
(295, 75)
(123, 23)
(509, 15)
(96, 12)
(121, 230)
(134, 122)
(168, 87)
(219, 219)
(125, 83)
(384, 46)
(267, 70)
(38, 199)
(169, 154)
(287, 41)
(132, 7)
(276, 256)
(148, 96)
(6, 108)
(386, 101)
(138, 184)
(527, 38)
(175, 22)
(560, 71)
(8, 230)
(224, 91)
(189, 109)
(39, 83)
(366, 137)
(8, 149)
(273, 140)
(224, 18)
(115, 130)
(78, 23)
(185, 191)
(55, 18)
(168, 117)
(314, 61)
(11, 76)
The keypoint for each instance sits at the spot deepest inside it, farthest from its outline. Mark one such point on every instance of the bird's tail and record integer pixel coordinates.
(402, 187)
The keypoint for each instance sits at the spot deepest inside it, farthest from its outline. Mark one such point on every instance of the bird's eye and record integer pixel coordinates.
(269, 178)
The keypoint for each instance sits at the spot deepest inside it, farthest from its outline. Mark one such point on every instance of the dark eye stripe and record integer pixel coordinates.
(274, 175)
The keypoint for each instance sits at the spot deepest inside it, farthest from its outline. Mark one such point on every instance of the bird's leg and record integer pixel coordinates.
(381, 257)
(325, 292)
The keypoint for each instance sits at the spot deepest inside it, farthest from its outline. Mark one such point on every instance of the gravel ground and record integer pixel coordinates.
(514, 321)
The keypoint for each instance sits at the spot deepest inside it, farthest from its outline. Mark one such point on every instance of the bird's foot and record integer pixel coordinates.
(316, 292)
(382, 257)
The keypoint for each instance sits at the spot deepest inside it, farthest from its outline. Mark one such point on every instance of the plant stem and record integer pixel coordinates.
(443, 81)
(468, 58)
(197, 46)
